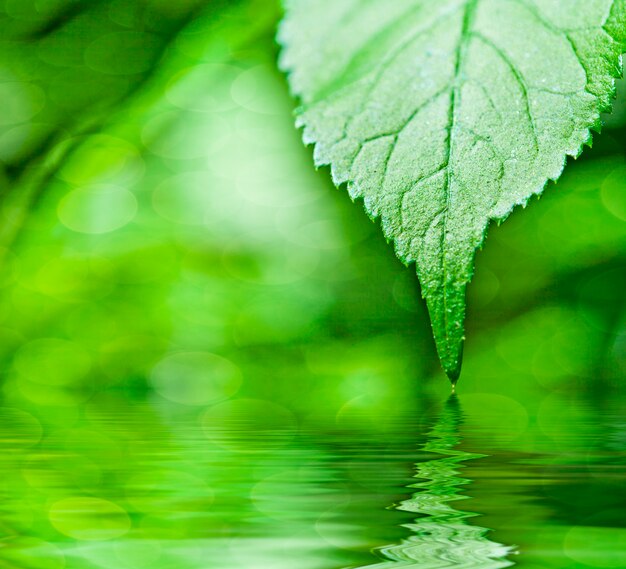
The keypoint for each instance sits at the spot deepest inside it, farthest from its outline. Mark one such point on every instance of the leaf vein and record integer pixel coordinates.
(519, 78)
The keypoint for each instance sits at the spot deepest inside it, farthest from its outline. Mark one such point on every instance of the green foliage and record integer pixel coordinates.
(445, 116)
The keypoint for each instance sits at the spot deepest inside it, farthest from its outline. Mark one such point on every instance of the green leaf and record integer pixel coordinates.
(444, 116)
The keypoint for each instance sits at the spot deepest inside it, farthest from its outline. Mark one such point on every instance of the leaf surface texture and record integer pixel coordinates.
(443, 116)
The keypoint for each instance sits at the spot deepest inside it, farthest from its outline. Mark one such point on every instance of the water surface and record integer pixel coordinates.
(473, 481)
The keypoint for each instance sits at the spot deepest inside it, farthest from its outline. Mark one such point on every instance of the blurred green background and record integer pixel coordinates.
(183, 299)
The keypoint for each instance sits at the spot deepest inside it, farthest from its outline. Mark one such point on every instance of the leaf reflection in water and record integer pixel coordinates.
(441, 535)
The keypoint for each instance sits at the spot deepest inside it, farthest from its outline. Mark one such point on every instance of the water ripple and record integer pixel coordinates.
(442, 535)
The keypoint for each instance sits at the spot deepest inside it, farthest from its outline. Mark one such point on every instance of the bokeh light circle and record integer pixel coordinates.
(89, 519)
(21, 101)
(613, 193)
(596, 546)
(204, 88)
(195, 378)
(97, 209)
(188, 198)
(258, 89)
(183, 135)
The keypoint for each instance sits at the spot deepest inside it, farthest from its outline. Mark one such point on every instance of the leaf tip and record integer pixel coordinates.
(453, 369)
(447, 315)
(450, 351)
